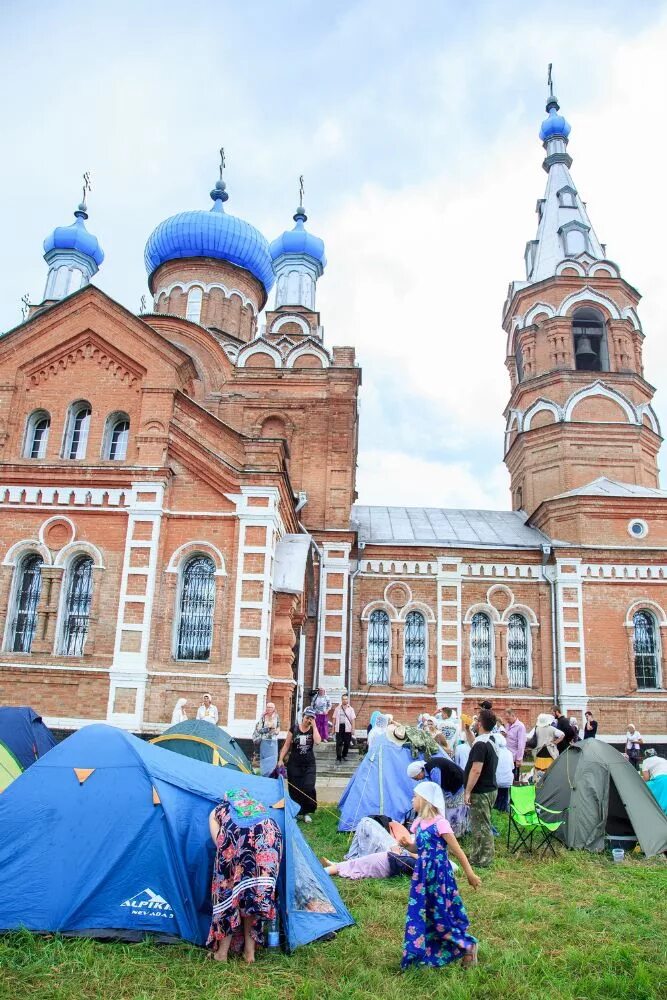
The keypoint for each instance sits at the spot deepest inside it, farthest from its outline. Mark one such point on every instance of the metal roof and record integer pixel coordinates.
(445, 527)
(603, 487)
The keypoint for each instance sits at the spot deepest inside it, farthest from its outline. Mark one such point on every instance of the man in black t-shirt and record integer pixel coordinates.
(481, 790)
(563, 723)
(591, 727)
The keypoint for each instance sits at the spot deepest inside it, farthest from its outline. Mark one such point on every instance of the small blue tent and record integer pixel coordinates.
(380, 785)
(123, 847)
(24, 733)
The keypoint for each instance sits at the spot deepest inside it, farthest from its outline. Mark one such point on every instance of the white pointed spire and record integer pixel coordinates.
(564, 229)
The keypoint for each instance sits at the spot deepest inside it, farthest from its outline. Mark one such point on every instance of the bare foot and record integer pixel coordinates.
(249, 954)
(222, 951)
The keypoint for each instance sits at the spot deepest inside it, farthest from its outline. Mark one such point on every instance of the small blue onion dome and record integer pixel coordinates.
(299, 241)
(554, 125)
(211, 234)
(75, 237)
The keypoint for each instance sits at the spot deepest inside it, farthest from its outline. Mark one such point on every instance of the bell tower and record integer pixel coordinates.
(580, 406)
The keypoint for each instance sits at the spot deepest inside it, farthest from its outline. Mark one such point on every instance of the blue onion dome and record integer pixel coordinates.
(75, 237)
(299, 241)
(211, 234)
(554, 125)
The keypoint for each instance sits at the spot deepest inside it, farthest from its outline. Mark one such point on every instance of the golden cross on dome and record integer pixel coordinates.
(550, 82)
(301, 190)
(86, 185)
(25, 304)
(223, 162)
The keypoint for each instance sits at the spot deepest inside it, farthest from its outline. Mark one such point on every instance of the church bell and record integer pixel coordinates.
(584, 350)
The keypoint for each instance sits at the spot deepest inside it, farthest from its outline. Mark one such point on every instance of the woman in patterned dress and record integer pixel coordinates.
(248, 851)
(436, 926)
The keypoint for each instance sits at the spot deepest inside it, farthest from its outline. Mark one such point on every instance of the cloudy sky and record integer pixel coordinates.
(415, 126)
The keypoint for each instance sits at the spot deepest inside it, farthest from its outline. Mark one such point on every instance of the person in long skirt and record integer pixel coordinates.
(300, 744)
(436, 926)
(266, 735)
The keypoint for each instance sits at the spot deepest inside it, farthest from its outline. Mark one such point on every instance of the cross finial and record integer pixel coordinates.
(25, 305)
(142, 306)
(550, 82)
(86, 186)
(301, 189)
(223, 162)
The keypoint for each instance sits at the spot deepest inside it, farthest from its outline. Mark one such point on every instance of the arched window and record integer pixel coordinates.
(29, 585)
(116, 436)
(414, 643)
(76, 432)
(518, 652)
(590, 341)
(195, 613)
(647, 650)
(377, 663)
(37, 434)
(76, 613)
(481, 651)
(193, 310)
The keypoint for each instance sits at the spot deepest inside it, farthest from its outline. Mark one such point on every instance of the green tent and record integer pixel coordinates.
(204, 741)
(9, 767)
(605, 800)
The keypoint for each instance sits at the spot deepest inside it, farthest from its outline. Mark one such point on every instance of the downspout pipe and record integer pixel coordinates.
(551, 573)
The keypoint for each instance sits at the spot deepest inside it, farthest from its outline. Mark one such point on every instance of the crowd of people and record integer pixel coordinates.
(465, 770)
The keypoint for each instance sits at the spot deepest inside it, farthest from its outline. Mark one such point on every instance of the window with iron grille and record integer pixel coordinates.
(518, 652)
(195, 621)
(377, 669)
(78, 598)
(481, 651)
(27, 598)
(37, 435)
(647, 651)
(414, 644)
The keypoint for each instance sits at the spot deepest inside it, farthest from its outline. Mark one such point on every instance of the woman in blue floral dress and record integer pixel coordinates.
(436, 926)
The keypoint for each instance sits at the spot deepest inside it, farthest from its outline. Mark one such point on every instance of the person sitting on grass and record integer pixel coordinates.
(436, 926)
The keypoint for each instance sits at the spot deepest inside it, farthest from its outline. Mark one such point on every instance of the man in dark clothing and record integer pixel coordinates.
(591, 727)
(563, 723)
(438, 768)
(481, 790)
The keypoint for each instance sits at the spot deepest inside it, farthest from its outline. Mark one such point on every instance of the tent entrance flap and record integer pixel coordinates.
(618, 821)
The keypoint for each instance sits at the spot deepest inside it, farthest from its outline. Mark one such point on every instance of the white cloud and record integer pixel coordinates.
(399, 479)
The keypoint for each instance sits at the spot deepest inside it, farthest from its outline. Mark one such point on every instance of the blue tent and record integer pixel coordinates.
(24, 733)
(380, 785)
(123, 847)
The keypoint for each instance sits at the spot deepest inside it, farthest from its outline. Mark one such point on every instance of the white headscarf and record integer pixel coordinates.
(379, 729)
(178, 715)
(431, 792)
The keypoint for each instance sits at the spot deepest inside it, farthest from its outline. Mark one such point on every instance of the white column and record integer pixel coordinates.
(129, 669)
(570, 637)
(260, 526)
(450, 667)
(334, 582)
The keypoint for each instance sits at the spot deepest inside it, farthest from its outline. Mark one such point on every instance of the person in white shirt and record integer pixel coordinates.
(633, 745)
(504, 772)
(343, 719)
(653, 766)
(179, 714)
(207, 712)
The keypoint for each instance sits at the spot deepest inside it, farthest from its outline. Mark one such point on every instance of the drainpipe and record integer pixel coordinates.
(350, 608)
(551, 573)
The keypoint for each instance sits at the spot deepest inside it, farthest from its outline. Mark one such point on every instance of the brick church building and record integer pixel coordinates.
(177, 495)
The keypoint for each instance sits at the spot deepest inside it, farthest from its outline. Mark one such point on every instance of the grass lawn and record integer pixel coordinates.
(576, 928)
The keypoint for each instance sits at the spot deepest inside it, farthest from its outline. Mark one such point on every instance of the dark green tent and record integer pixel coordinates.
(605, 800)
(205, 741)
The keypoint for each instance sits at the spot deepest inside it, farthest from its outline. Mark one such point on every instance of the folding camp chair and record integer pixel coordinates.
(548, 827)
(523, 819)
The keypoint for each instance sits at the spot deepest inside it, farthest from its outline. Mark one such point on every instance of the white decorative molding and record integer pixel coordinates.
(622, 572)
(482, 608)
(190, 548)
(412, 605)
(79, 547)
(646, 410)
(631, 314)
(587, 295)
(538, 407)
(291, 318)
(185, 287)
(338, 565)
(391, 567)
(524, 611)
(65, 496)
(570, 264)
(308, 347)
(645, 605)
(258, 346)
(539, 307)
(27, 545)
(599, 389)
(503, 570)
(379, 606)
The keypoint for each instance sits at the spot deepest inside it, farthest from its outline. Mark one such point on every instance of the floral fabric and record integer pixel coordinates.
(436, 926)
(243, 804)
(245, 873)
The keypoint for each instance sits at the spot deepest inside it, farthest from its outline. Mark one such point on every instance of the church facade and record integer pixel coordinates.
(177, 495)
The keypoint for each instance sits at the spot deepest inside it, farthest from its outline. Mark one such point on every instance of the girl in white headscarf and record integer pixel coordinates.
(179, 714)
(379, 729)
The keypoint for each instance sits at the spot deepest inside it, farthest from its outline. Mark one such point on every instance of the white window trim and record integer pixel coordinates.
(58, 645)
(190, 557)
(33, 419)
(417, 611)
(8, 638)
(647, 609)
(389, 650)
(492, 652)
(72, 413)
(109, 426)
(529, 649)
